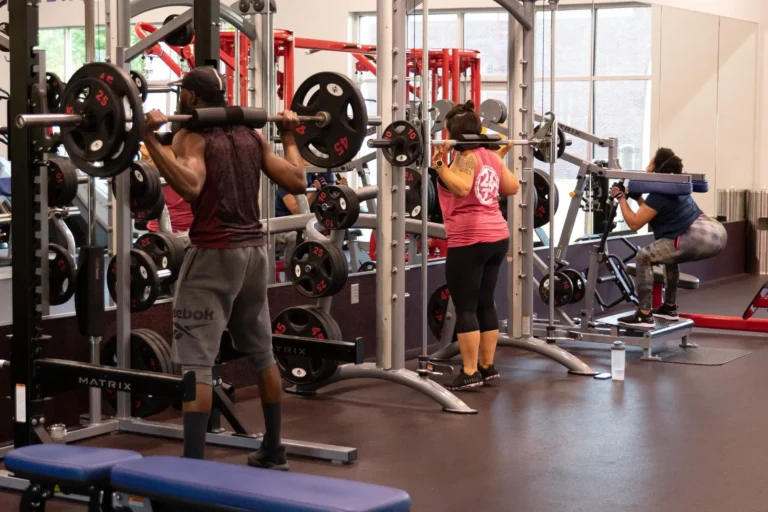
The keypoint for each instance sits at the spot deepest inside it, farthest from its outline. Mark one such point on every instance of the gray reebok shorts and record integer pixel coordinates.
(219, 289)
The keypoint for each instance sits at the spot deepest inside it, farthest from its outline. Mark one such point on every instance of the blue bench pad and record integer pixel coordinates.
(70, 463)
(210, 484)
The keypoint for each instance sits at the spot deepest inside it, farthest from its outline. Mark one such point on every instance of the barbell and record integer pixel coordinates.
(102, 123)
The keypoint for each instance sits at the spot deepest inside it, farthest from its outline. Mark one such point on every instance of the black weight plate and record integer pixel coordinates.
(368, 266)
(432, 198)
(145, 356)
(128, 137)
(343, 265)
(141, 84)
(542, 186)
(144, 283)
(145, 185)
(579, 284)
(563, 289)
(104, 119)
(413, 194)
(336, 143)
(314, 270)
(407, 147)
(304, 322)
(62, 182)
(163, 251)
(153, 213)
(62, 275)
(181, 36)
(542, 152)
(493, 110)
(437, 308)
(54, 88)
(336, 207)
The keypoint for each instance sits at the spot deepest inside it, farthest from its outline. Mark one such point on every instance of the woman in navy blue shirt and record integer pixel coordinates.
(683, 233)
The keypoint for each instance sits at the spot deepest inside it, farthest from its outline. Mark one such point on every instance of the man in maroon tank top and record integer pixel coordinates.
(223, 282)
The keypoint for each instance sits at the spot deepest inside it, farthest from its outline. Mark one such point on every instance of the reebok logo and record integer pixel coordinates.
(188, 314)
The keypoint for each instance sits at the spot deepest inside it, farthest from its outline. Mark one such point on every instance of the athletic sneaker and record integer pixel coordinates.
(464, 381)
(274, 459)
(637, 319)
(490, 373)
(666, 311)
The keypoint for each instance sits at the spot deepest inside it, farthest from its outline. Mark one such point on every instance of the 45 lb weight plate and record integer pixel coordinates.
(563, 289)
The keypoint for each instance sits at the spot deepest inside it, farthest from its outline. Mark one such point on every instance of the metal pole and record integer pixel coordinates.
(384, 331)
(552, 161)
(425, 118)
(526, 221)
(252, 67)
(268, 88)
(236, 85)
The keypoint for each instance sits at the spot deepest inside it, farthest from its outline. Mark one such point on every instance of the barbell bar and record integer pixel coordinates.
(386, 143)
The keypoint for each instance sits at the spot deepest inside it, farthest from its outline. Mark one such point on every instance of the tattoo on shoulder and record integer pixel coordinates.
(465, 164)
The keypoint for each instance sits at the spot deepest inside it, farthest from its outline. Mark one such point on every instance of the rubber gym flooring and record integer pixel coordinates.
(672, 437)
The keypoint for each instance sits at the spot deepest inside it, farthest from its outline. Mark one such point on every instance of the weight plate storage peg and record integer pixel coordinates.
(579, 284)
(404, 144)
(146, 355)
(141, 84)
(163, 250)
(318, 269)
(338, 141)
(145, 284)
(336, 207)
(106, 142)
(563, 289)
(182, 36)
(542, 187)
(306, 322)
(437, 309)
(54, 88)
(62, 182)
(62, 275)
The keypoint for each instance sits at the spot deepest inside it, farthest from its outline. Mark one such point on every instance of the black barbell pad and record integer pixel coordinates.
(89, 294)
(212, 117)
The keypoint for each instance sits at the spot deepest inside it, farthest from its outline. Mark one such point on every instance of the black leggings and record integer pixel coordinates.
(471, 273)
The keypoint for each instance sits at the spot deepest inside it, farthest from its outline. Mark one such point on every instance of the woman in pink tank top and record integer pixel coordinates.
(478, 239)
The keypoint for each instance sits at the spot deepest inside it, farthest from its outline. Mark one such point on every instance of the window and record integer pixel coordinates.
(487, 33)
(52, 41)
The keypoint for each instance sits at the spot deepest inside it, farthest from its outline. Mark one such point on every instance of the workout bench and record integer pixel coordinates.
(175, 483)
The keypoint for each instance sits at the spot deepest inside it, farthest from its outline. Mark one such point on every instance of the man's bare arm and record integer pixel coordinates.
(184, 172)
(287, 172)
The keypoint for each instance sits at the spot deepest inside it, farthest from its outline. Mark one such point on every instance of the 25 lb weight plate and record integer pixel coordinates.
(85, 141)
(579, 284)
(542, 188)
(306, 322)
(337, 142)
(164, 251)
(141, 84)
(145, 185)
(407, 144)
(318, 269)
(563, 289)
(336, 207)
(62, 182)
(145, 286)
(437, 309)
(62, 275)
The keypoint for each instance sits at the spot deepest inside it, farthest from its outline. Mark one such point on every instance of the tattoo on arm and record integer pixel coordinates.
(465, 164)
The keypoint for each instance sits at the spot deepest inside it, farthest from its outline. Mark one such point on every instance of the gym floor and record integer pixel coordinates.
(671, 437)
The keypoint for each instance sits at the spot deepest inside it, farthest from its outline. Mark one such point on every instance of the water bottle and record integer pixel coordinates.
(618, 360)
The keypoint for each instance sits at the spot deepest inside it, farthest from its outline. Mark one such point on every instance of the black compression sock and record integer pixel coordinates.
(195, 429)
(272, 421)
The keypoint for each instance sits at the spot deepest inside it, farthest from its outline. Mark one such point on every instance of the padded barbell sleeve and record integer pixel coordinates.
(226, 116)
(89, 292)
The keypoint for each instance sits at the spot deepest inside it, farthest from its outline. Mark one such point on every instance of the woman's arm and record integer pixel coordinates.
(508, 184)
(458, 176)
(636, 220)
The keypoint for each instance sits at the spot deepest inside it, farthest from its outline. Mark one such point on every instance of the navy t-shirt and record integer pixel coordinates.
(675, 214)
(281, 210)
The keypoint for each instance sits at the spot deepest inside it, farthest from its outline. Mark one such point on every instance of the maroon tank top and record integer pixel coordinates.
(226, 213)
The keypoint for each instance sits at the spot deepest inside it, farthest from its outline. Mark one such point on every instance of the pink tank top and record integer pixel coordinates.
(475, 218)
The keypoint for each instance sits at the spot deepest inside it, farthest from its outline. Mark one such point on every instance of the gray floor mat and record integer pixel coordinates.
(706, 356)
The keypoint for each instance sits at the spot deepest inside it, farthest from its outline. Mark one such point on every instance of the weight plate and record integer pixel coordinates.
(494, 111)
(62, 182)
(407, 145)
(163, 251)
(563, 289)
(437, 308)
(542, 151)
(62, 275)
(141, 84)
(146, 356)
(336, 207)
(579, 284)
(182, 36)
(542, 188)
(103, 119)
(336, 143)
(145, 185)
(316, 269)
(306, 322)
(153, 213)
(368, 266)
(441, 107)
(144, 283)
(54, 88)
(413, 194)
(125, 146)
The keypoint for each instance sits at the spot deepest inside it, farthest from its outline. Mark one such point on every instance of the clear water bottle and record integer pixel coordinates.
(618, 360)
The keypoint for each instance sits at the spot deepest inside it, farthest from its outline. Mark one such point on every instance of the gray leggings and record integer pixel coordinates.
(704, 239)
